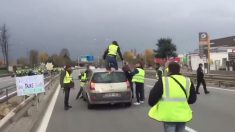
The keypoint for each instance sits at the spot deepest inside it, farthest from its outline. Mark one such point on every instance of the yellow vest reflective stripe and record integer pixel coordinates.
(173, 107)
(112, 49)
(139, 77)
(67, 78)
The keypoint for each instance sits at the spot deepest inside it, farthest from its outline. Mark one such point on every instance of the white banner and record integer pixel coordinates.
(28, 85)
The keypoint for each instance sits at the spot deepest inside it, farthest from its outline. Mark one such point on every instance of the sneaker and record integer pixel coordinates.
(136, 103)
(141, 102)
(207, 92)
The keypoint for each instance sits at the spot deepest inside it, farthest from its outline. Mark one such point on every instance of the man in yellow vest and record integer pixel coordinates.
(138, 79)
(170, 99)
(83, 81)
(110, 55)
(67, 85)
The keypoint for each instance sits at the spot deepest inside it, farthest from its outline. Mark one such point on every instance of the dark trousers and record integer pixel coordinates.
(111, 62)
(79, 93)
(66, 96)
(139, 90)
(199, 81)
(131, 85)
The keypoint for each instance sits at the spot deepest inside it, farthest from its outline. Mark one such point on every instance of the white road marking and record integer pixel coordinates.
(151, 86)
(150, 79)
(222, 89)
(48, 113)
(189, 129)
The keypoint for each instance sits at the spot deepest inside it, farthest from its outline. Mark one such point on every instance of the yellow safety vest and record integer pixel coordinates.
(173, 106)
(139, 77)
(84, 78)
(67, 78)
(112, 49)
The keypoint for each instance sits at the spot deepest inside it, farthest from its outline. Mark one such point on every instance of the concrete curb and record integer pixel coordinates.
(9, 117)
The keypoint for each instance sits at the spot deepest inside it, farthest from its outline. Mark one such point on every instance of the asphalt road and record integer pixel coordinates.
(212, 113)
(6, 81)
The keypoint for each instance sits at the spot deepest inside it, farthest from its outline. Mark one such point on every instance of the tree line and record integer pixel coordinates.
(35, 58)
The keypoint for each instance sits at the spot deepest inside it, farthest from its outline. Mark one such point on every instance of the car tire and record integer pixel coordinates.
(128, 104)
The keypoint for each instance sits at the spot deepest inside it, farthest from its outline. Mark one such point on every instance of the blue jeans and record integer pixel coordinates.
(174, 126)
(111, 62)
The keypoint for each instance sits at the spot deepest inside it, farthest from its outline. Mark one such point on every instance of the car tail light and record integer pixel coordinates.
(92, 86)
(128, 84)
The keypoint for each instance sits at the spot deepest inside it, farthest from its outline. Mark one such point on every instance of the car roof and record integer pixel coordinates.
(104, 70)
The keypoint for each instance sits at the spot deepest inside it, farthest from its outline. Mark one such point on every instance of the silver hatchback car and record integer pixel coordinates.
(107, 88)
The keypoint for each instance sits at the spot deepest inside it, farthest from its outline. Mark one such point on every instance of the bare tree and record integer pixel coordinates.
(43, 57)
(4, 44)
(33, 58)
(65, 54)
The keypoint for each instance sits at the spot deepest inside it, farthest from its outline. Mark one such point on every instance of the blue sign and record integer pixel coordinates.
(87, 58)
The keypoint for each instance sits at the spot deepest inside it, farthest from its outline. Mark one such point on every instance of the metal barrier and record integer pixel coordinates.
(32, 100)
(10, 90)
(220, 80)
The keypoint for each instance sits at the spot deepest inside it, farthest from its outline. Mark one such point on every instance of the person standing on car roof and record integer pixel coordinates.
(110, 55)
(67, 85)
(127, 70)
(200, 79)
(83, 81)
(138, 79)
(170, 98)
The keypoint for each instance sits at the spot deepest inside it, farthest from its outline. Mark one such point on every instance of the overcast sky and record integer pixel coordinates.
(87, 26)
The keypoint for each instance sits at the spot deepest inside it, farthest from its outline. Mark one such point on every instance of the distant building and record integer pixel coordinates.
(222, 55)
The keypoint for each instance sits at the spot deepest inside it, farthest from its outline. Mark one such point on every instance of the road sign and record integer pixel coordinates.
(87, 58)
(28, 85)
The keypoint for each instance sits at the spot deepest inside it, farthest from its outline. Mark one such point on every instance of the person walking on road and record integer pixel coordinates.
(159, 71)
(200, 79)
(138, 79)
(83, 81)
(67, 85)
(127, 70)
(110, 55)
(170, 98)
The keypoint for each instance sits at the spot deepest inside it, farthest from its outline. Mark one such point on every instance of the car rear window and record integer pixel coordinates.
(105, 77)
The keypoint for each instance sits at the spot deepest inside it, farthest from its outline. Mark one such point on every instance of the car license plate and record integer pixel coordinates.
(108, 95)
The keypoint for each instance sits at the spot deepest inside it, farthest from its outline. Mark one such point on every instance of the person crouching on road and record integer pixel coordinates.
(138, 79)
(67, 85)
(170, 99)
(83, 81)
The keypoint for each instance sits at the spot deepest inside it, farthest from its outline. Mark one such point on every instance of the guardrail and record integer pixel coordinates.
(218, 79)
(5, 75)
(10, 91)
(21, 110)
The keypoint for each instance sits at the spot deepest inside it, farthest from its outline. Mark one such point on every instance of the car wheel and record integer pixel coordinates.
(128, 104)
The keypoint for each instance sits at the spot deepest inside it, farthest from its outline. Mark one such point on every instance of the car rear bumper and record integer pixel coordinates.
(101, 98)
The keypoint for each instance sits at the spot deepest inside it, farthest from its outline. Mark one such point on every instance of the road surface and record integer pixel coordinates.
(212, 113)
(6, 81)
